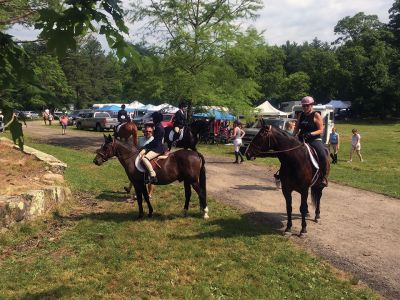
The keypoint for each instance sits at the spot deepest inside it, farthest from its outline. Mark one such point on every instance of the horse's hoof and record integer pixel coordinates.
(150, 215)
(206, 216)
(184, 213)
(303, 232)
(139, 217)
(288, 231)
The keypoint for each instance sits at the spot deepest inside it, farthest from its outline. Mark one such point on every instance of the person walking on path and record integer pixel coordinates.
(51, 118)
(64, 123)
(237, 135)
(334, 144)
(355, 145)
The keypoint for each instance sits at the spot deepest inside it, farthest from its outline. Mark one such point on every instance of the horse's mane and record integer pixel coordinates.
(129, 148)
(286, 135)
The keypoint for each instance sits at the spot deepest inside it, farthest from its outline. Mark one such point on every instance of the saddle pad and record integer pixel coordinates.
(171, 135)
(312, 158)
(138, 164)
(141, 168)
(118, 127)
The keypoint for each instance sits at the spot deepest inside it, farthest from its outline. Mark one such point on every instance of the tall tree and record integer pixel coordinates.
(195, 35)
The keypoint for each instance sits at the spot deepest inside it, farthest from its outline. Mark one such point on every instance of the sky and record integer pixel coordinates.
(294, 20)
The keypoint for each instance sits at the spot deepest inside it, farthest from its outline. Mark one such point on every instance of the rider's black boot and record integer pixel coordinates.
(236, 158)
(241, 157)
(335, 158)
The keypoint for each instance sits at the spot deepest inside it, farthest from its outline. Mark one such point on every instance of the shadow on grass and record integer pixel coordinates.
(254, 187)
(55, 293)
(113, 196)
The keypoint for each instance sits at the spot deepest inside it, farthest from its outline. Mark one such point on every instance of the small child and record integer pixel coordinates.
(355, 145)
(334, 144)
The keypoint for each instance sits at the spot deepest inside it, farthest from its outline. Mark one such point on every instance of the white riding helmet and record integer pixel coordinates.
(307, 100)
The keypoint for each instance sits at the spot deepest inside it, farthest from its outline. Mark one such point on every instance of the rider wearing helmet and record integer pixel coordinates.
(179, 120)
(309, 128)
(123, 116)
(155, 147)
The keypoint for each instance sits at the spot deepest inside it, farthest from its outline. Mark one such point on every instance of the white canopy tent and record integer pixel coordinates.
(266, 109)
(165, 108)
(135, 105)
(339, 104)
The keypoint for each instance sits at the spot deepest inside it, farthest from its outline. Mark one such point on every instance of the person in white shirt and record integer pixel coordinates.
(355, 145)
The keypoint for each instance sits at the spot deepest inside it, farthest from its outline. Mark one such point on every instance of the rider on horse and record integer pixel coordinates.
(311, 127)
(123, 116)
(155, 147)
(179, 120)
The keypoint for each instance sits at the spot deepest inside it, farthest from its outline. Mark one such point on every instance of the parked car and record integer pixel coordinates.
(96, 120)
(30, 114)
(168, 120)
(252, 131)
(142, 120)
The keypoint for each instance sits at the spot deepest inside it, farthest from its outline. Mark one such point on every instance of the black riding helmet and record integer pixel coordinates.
(182, 105)
(123, 106)
(157, 117)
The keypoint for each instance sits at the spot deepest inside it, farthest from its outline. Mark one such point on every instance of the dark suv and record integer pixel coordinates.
(252, 131)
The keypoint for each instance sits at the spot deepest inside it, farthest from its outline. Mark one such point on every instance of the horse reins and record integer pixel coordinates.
(269, 133)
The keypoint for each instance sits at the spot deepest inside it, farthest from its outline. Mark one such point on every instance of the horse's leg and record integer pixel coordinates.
(303, 210)
(139, 194)
(188, 194)
(288, 197)
(147, 199)
(202, 198)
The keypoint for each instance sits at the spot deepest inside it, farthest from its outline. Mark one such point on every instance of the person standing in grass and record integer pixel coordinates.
(355, 145)
(51, 118)
(64, 123)
(334, 144)
(237, 135)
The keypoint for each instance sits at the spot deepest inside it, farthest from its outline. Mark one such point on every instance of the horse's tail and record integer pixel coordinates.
(316, 193)
(203, 176)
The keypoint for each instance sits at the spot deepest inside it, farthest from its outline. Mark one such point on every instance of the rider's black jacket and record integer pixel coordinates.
(156, 145)
(123, 116)
(179, 119)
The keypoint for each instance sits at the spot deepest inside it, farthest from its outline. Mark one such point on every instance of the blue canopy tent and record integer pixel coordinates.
(217, 114)
(115, 108)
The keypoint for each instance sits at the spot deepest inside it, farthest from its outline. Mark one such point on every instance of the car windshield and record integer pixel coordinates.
(167, 117)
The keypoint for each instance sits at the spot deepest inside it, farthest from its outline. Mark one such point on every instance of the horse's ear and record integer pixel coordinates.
(109, 138)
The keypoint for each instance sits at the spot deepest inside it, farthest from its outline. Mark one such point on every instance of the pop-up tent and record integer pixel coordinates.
(339, 104)
(266, 109)
(217, 114)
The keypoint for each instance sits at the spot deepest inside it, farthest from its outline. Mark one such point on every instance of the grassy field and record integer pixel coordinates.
(380, 172)
(96, 249)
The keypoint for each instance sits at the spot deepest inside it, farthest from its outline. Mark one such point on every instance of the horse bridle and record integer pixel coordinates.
(269, 134)
(115, 153)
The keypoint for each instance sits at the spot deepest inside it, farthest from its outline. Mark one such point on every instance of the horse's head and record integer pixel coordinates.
(260, 144)
(106, 151)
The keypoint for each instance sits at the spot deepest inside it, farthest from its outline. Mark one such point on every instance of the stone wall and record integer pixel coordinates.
(34, 203)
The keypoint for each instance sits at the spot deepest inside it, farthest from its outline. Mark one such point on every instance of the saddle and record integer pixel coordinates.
(154, 162)
(314, 161)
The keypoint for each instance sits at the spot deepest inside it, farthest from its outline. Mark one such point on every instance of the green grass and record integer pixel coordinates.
(106, 253)
(379, 147)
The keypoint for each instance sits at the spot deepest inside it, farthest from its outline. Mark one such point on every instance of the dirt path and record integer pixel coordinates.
(359, 231)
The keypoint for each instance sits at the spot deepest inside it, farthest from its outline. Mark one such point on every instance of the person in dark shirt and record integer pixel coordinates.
(179, 120)
(123, 116)
(155, 147)
(309, 128)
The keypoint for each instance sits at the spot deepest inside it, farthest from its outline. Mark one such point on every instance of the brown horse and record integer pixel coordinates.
(126, 130)
(182, 165)
(296, 173)
(45, 117)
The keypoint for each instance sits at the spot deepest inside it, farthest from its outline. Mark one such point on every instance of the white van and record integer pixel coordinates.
(327, 113)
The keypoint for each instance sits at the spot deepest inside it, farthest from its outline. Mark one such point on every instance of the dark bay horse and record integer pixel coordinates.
(296, 173)
(191, 134)
(182, 165)
(126, 130)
